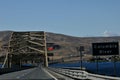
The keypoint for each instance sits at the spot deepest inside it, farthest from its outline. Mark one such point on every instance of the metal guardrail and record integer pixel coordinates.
(80, 74)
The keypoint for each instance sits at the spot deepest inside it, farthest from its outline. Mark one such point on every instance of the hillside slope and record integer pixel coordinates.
(70, 43)
(67, 43)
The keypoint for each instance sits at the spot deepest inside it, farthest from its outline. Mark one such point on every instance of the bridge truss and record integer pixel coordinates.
(26, 46)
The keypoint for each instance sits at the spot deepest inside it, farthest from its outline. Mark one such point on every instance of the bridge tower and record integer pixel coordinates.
(26, 46)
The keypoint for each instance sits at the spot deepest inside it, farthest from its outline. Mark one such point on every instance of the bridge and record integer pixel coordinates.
(26, 47)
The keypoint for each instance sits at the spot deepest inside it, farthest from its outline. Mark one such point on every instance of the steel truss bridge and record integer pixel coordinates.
(26, 47)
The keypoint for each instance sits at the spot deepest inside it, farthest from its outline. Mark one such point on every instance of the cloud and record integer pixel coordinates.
(108, 34)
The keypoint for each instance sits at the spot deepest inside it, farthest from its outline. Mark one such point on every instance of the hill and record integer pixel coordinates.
(68, 44)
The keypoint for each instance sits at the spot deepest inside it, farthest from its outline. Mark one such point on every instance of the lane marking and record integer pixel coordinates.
(50, 74)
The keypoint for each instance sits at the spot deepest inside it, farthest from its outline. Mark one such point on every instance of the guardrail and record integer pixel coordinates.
(80, 74)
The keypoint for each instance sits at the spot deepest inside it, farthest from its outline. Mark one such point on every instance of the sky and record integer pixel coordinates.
(79, 18)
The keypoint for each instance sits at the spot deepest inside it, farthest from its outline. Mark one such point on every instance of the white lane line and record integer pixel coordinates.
(50, 74)
(24, 74)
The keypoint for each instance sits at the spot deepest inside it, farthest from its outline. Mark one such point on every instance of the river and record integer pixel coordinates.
(104, 68)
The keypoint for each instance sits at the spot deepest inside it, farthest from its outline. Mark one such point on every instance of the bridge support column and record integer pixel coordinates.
(46, 57)
(46, 60)
(9, 62)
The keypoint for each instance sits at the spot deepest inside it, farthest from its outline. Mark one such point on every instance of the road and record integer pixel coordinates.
(38, 73)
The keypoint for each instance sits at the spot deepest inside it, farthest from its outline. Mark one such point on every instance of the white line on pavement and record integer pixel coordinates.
(50, 74)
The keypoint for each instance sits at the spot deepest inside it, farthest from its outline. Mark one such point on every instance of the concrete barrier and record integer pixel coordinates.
(80, 74)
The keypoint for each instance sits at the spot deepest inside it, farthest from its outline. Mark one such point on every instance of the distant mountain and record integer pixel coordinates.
(68, 44)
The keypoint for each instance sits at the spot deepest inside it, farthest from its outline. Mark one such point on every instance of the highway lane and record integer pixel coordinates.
(38, 73)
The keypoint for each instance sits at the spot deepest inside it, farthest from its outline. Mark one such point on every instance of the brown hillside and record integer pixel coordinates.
(68, 44)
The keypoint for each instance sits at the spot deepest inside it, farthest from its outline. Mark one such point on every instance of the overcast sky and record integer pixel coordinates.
(70, 17)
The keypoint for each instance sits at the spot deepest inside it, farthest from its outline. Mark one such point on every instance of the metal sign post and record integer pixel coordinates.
(115, 66)
(97, 64)
(81, 49)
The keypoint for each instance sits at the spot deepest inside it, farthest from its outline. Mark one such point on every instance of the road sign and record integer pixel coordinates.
(105, 48)
(50, 54)
(50, 49)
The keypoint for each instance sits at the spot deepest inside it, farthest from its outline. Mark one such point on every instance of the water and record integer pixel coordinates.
(104, 68)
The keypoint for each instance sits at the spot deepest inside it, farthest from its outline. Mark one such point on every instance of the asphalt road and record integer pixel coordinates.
(38, 73)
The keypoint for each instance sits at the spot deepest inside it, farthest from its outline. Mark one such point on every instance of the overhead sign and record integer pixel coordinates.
(106, 48)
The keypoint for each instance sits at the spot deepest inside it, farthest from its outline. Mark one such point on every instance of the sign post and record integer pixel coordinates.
(106, 48)
(114, 66)
(81, 49)
(97, 64)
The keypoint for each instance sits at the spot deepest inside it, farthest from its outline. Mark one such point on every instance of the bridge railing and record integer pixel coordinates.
(80, 74)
